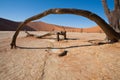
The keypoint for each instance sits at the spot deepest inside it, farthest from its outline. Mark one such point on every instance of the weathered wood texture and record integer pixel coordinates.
(113, 15)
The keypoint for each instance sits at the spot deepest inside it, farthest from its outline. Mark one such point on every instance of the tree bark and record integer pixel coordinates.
(117, 4)
(112, 34)
(113, 15)
(106, 9)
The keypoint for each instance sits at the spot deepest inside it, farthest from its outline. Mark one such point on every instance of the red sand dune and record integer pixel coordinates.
(8, 25)
(95, 29)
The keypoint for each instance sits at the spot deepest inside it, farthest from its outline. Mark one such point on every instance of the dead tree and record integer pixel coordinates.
(81, 30)
(109, 31)
(113, 15)
(61, 33)
(28, 34)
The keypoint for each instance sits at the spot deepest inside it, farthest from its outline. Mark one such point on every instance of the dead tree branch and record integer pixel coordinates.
(113, 15)
(112, 34)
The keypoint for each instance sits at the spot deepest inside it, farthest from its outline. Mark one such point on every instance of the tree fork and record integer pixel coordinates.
(112, 34)
(113, 15)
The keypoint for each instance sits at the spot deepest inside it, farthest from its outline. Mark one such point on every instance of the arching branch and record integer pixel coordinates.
(105, 27)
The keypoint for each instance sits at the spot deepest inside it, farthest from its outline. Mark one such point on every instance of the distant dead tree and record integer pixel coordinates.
(28, 34)
(81, 30)
(61, 33)
(112, 33)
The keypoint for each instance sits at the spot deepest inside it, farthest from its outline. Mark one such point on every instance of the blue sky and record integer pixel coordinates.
(19, 10)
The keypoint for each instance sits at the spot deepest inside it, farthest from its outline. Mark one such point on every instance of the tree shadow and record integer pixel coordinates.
(72, 39)
(47, 38)
(60, 39)
(76, 46)
(99, 42)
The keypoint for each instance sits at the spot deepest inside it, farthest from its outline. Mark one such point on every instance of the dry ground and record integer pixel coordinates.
(37, 59)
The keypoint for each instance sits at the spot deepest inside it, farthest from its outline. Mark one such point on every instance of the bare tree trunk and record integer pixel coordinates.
(113, 16)
(112, 34)
(58, 38)
(65, 35)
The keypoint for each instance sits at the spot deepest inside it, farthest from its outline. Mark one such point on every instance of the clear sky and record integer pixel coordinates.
(19, 10)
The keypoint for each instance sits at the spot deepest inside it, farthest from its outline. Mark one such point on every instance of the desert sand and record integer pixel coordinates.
(37, 59)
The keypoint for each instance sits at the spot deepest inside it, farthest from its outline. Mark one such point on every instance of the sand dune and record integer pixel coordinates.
(37, 59)
(8, 25)
(95, 29)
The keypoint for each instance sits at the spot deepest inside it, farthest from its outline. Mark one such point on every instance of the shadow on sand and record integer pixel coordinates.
(76, 46)
(60, 39)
